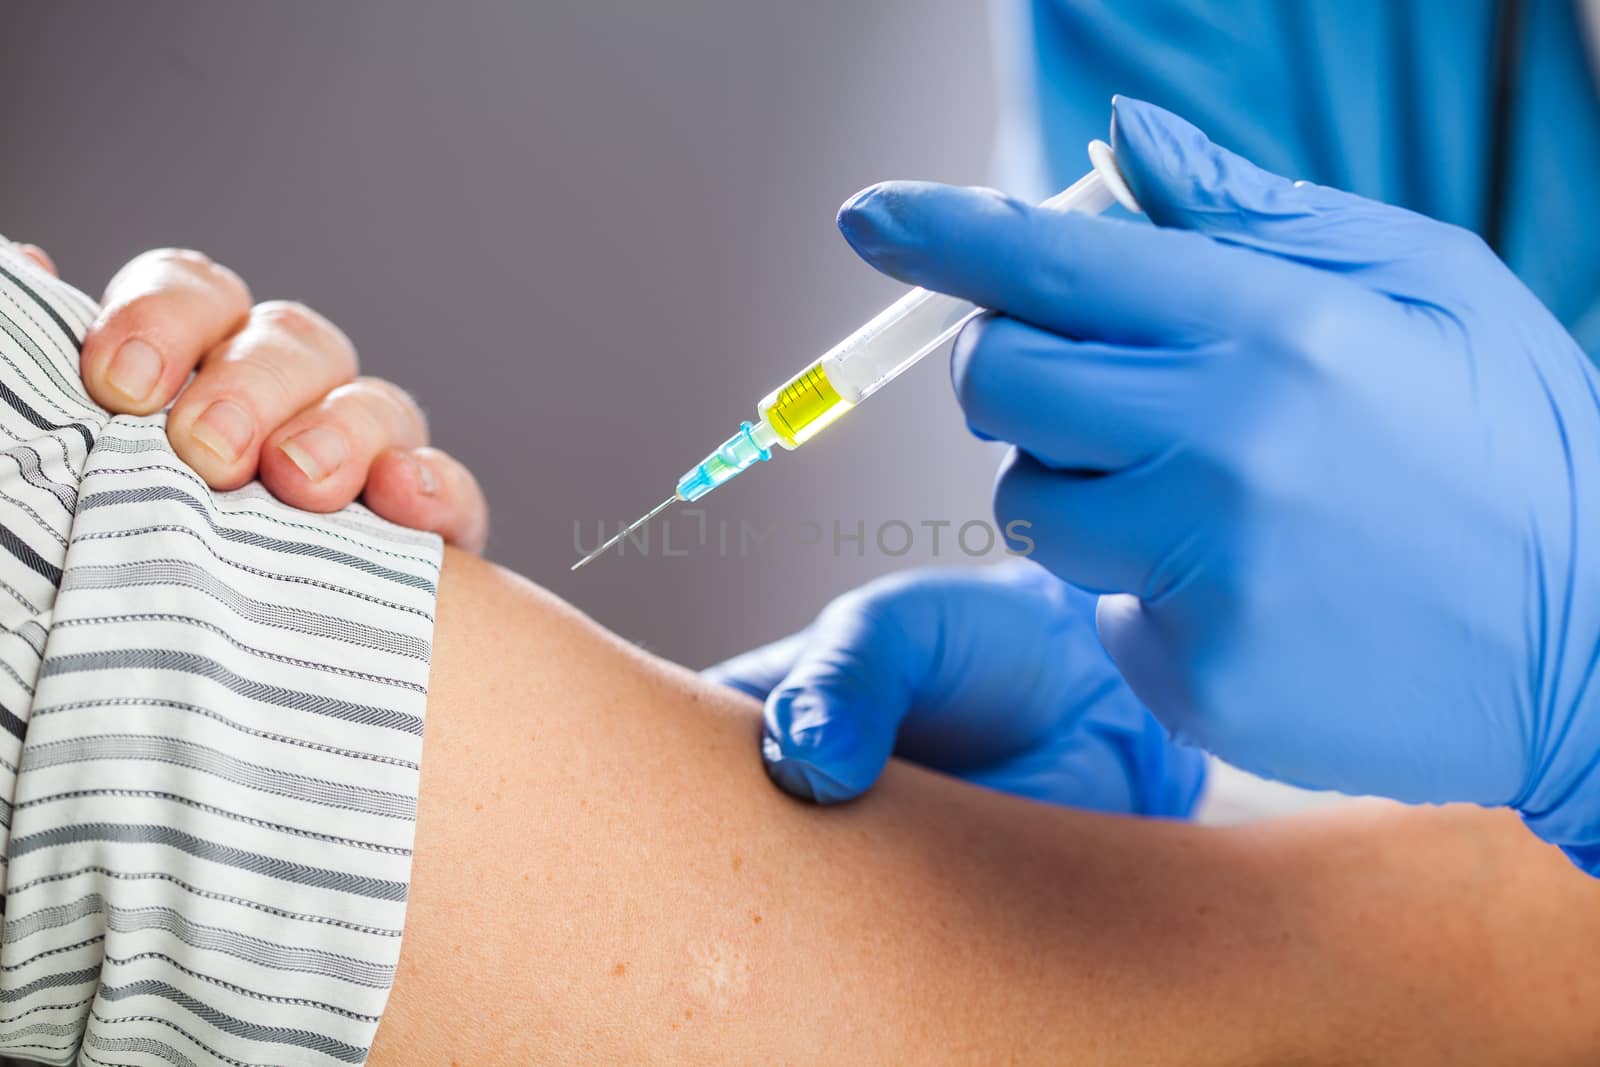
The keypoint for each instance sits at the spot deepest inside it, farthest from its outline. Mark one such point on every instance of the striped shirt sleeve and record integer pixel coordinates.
(211, 714)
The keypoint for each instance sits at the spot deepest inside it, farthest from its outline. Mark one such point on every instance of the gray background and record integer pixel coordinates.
(588, 236)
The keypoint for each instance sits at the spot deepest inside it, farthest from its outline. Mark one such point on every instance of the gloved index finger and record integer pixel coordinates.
(758, 671)
(1087, 278)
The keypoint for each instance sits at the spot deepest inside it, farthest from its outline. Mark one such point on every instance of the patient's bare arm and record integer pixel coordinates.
(604, 874)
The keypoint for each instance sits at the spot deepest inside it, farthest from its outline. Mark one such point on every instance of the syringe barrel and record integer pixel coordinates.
(861, 364)
(907, 330)
(894, 340)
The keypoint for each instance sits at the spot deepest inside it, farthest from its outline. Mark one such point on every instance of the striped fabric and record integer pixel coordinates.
(211, 713)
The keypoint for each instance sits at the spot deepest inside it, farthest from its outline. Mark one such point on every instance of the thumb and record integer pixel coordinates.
(754, 673)
(954, 670)
(830, 726)
(1183, 180)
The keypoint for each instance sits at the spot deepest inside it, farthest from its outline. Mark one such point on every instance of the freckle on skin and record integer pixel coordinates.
(757, 918)
(738, 861)
(478, 806)
(619, 970)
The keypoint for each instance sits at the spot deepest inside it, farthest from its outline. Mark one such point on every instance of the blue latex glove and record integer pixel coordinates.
(1344, 467)
(995, 676)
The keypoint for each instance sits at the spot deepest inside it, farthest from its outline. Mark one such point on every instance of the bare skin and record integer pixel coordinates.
(604, 874)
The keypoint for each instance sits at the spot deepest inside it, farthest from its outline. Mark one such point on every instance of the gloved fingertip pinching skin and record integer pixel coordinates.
(995, 676)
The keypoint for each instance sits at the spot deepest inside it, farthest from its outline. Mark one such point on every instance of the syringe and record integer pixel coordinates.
(866, 361)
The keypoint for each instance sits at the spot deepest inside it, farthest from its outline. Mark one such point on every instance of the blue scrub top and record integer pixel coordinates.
(1387, 98)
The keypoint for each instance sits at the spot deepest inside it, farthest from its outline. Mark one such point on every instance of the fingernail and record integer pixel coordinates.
(318, 452)
(427, 481)
(226, 429)
(134, 370)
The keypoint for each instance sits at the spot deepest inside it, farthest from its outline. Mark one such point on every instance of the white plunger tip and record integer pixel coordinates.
(1105, 165)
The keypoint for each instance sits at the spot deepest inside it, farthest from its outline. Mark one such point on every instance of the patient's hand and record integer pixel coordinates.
(274, 395)
(993, 675)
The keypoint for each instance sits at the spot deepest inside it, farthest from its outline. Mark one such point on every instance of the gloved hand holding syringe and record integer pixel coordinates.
(870, 358)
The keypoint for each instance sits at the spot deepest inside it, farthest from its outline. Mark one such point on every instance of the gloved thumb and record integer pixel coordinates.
(830, 726)
(1185, 181)
(756, 672)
